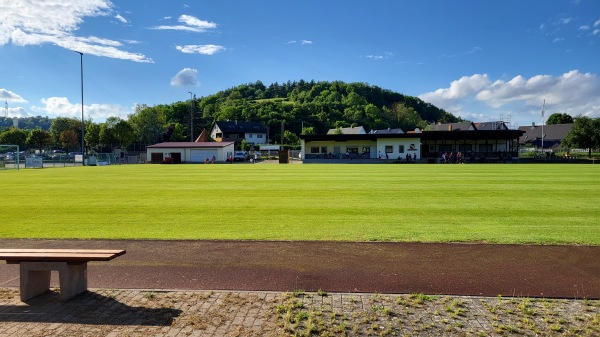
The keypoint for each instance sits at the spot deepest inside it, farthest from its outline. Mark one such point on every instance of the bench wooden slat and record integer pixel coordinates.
(57, 255)
(70, 251)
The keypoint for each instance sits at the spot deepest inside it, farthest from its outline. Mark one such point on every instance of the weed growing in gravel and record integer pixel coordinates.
(417, 314)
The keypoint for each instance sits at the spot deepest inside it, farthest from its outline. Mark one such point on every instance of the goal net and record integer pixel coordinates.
(9, 157)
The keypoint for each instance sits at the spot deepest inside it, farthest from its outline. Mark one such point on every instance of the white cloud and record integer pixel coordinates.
(302, 42)
(9, 96)
(206, 49)
(477, 97)
(17, 112)
(597, 23)
(121, 18)
(558, 39)
(458, 89)
(584, 27)
(35, 23)
(61, 107)
(564, 21)
(187, 77)
(191, 24)
(385, 55)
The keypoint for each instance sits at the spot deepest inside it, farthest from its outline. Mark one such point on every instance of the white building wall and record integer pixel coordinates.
(255, 138)
(338, 148)
(400, 147)
(186, 154)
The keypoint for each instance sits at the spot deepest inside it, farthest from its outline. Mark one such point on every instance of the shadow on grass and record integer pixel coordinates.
(89, 308)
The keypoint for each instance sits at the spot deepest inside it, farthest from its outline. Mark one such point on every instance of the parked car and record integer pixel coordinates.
(240, 156)
(58, 153)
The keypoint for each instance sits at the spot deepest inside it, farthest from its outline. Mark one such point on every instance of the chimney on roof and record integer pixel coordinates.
(532, 125)
(449, 127)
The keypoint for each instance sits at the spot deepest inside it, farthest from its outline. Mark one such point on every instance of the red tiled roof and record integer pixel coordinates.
(190, 145)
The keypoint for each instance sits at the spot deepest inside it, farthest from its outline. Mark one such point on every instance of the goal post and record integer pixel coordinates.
(9, 156)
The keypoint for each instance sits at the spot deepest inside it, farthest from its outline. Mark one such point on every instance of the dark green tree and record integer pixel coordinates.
(559, 118)
(39, 139)
(92, 135)
(61, 124)
(123, 134)
(148, 124)
(585, 133)
(14, 136)
(290, 138)
(107, 134)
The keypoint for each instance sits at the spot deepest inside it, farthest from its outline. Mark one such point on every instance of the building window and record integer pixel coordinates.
(400, 148)
(259, 135)
(353, 150)
(323, 149)
(465, 148)
(250, 135)
(486, 147)
(389, 149)
(314, 149)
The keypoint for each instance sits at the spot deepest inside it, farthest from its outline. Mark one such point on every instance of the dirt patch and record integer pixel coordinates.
(364, 267)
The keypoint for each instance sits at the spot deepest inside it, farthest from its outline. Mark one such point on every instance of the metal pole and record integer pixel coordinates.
(82, 119)
(543, 108)
(191, 116)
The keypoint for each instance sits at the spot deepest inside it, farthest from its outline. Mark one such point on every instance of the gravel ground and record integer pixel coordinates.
(111, 312)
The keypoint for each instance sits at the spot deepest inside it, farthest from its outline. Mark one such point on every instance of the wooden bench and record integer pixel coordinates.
(71, 264)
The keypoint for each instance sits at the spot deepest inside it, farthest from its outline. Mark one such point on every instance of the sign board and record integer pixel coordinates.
(34, 162)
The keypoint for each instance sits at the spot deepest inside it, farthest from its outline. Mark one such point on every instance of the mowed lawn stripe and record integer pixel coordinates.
(548, 204)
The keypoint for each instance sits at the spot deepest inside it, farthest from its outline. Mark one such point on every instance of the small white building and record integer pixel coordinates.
(189, 152)
(252, 132)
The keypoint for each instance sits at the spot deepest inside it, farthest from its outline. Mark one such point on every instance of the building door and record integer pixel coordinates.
(156, 158)
(176, 157)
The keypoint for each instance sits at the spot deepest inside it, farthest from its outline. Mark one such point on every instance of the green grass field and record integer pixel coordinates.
(549, 204)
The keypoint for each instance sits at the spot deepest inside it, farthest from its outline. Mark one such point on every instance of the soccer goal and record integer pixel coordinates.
(9, 156)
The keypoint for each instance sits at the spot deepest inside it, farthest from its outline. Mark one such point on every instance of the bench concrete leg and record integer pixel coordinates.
(35, 279)
(73, 280)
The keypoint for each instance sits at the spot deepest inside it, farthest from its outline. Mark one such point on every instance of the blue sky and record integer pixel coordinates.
(481, 60)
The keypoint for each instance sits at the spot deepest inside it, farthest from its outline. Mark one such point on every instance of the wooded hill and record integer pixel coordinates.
(302, 107)
(318, 106)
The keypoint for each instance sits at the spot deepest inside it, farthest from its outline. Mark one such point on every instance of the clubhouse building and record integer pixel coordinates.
(478, 142)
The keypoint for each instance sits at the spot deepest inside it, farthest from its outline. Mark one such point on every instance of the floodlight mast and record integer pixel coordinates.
(192, 95)
(82, 120)
(543, 122)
